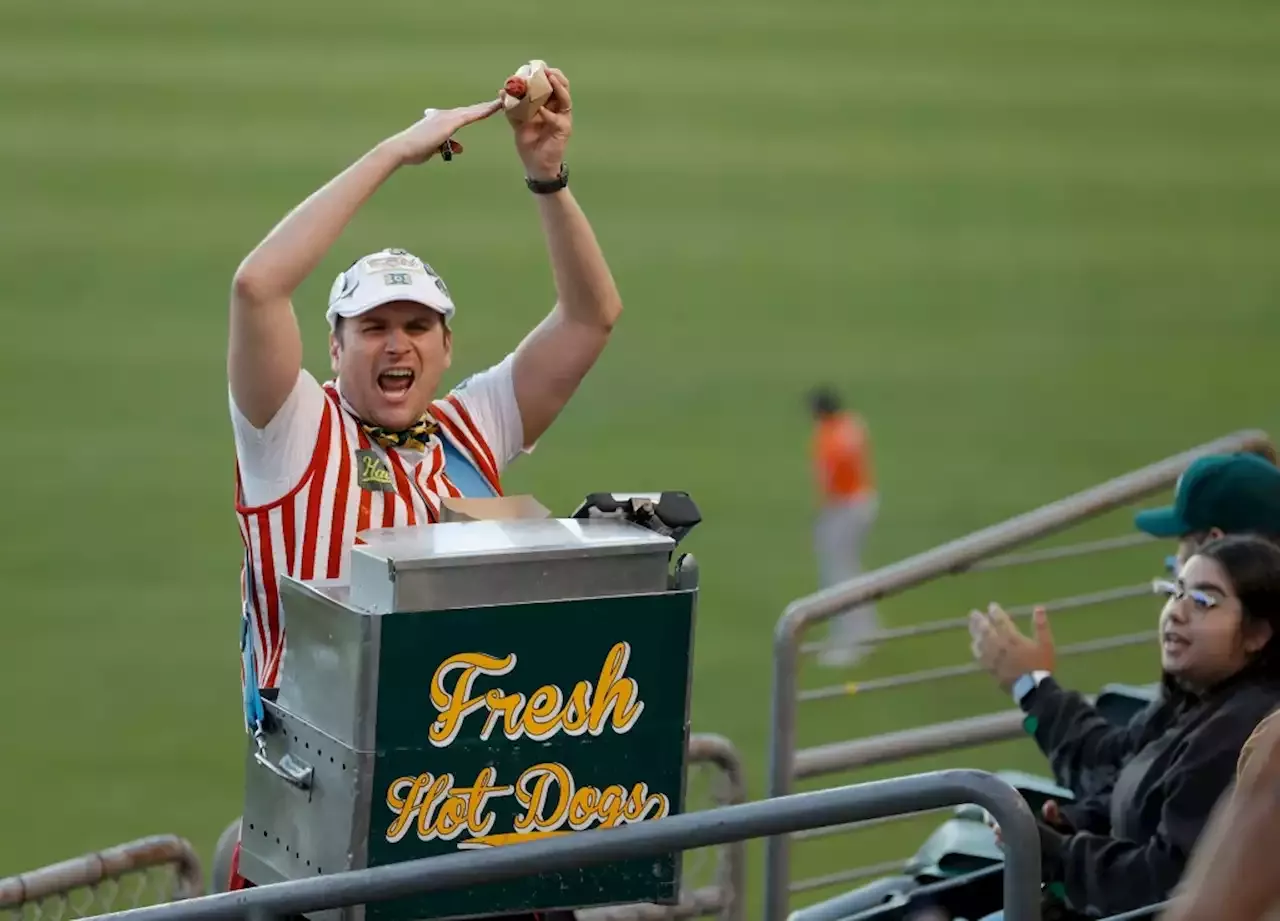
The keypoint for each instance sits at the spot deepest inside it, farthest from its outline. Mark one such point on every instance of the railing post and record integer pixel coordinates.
(782, 746)
(718, 750)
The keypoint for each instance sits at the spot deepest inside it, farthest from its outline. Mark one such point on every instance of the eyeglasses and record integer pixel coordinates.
(1202, 600)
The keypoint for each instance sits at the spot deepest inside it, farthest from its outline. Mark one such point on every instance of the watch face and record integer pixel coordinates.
(1023, 686)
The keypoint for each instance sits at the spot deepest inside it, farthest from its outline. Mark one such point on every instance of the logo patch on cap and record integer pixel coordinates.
(349, 284)
(392, 260)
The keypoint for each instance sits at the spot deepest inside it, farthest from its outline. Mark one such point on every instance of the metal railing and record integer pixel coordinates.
(161, 868)
(987, 549)
(722, 825)
(725, 896)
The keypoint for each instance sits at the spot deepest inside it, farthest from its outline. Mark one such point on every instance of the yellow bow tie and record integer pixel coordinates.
(415, 437)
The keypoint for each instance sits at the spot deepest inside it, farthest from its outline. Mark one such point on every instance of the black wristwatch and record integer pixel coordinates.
(548, 186)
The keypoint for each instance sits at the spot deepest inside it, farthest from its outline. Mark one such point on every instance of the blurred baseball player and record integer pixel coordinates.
(374, 447)
(846, 487)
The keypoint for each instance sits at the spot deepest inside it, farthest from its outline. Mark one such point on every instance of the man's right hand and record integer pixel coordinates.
(422, 140)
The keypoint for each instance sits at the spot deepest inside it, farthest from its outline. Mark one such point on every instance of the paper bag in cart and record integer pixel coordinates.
(500, 508)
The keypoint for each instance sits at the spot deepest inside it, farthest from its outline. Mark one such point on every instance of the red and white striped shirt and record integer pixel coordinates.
(344, 484)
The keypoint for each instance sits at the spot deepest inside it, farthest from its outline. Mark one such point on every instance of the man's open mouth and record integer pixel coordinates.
(395, 382)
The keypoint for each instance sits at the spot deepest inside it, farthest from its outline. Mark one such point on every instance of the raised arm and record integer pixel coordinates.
(1083, 748)
(554, 358)
(264, 352)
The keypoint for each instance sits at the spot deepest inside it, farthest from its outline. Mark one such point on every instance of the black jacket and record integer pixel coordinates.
(1144, 791)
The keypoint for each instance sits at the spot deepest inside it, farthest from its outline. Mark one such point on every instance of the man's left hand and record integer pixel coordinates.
(542, 139)
(1003, 652)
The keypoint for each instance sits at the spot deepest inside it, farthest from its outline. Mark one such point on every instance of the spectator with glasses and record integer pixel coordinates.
(1144, 791)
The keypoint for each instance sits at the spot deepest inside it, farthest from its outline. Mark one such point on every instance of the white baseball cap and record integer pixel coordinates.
(385, 276)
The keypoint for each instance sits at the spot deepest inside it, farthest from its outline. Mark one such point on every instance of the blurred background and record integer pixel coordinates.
(1034, 245)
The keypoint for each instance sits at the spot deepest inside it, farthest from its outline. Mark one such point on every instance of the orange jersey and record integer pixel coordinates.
(842, 456)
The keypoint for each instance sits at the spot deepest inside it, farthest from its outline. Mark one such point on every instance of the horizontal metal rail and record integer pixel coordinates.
(849, 688)
(1053, 606)
(775, 816)
(908, 743)
(848, 876)
(831, 830)
(1066, 551)
(892, 747)
(956, 556)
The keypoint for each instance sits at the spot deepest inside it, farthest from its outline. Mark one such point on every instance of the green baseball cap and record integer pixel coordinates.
(1233, 492)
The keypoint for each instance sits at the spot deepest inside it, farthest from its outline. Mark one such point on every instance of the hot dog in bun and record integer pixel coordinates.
(525, 91)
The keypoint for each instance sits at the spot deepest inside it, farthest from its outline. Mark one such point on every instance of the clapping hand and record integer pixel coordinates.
(1003, 651)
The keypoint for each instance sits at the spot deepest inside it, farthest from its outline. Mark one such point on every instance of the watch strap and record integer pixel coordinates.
(548, 186)
(1027, 683)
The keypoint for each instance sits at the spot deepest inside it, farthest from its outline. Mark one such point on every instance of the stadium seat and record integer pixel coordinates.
(970, 895)
(959, 855)
(956, 847)
(1036, 790)
(889, 890)
(1119, 703)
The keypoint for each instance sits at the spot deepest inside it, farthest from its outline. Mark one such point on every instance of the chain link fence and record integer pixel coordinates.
(149, 871)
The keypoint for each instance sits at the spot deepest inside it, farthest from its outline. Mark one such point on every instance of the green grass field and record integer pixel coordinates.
(1035, 244)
